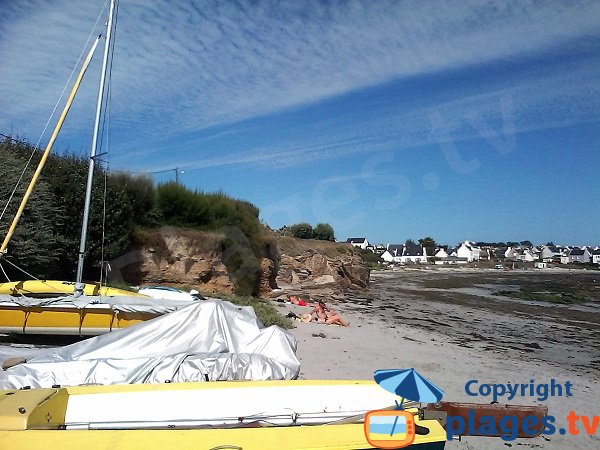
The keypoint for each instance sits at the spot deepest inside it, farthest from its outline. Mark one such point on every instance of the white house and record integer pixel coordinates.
(393, 253)
(527, 256)
(549, 252)
(414, 254)
(576, 255)
(446, 256)
(403, 254)
(358, 242)
(387, 257)
(441, 253)
(512, 253)
(596, 256)
(468, 250)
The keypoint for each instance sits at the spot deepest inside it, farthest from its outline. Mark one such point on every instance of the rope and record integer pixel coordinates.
(4, 272)
(103, 228)
(49, 286)
(106, 128)
(22, 270)
(53, 112)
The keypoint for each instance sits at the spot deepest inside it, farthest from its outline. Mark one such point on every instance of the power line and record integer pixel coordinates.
(177, 170)
(18, 141)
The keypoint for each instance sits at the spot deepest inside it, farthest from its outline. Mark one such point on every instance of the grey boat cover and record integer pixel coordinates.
(206, 341)
(122, 303)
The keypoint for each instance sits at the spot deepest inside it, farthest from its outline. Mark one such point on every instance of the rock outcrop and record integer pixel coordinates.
(181, 258)
(184, 258)
(319, 275)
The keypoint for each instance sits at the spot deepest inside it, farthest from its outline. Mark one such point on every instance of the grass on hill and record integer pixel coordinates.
(293, 247)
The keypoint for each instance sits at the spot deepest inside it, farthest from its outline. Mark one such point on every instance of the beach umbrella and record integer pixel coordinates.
(408, 384)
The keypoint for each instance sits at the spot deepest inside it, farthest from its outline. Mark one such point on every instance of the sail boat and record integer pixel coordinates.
(73, 308)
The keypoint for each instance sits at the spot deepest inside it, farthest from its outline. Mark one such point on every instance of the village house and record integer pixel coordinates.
(526, 255)
(378, 249)
(414, 254)
(550, 253)
(447, 255)
(441, 253)
(576, 255)
(511, 254)
(596, 256)
(405, 254)
(361, 243)
(393, 253)
(469, 251)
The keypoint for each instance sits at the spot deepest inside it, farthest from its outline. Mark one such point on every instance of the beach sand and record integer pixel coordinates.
(449, 325)
(462, 335)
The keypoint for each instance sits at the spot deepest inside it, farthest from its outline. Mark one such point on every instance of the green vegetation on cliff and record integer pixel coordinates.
(47, 239)
(321, 232)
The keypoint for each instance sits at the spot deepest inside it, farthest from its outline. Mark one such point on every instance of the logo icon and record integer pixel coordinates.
(395, 428)
(390, 428)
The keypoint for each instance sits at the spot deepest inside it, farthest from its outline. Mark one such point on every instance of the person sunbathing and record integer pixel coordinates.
(322, 314)
(294, 300)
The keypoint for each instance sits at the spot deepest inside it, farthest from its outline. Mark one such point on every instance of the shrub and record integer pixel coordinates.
(302, 230)
(324, 232)
(236, 220)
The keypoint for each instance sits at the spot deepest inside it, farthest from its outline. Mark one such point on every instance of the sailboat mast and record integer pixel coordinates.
(88, 193)
(38, 171)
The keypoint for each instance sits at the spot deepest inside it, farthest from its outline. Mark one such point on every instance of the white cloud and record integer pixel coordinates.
(498, 115)
(182, 67)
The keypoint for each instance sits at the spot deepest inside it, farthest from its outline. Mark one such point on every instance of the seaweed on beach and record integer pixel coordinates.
(567, 295)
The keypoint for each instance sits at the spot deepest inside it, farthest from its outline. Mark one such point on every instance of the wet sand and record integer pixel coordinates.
(448, 325)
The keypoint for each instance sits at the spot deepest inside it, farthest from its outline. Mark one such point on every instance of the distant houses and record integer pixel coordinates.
(596, 256)
(468, 252)
(448, 255)
(405, 254)
(471, 252)
(550, 253)
(576, 255)
(361, 243)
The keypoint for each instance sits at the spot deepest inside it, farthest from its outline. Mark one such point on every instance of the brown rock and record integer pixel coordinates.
(193, 258)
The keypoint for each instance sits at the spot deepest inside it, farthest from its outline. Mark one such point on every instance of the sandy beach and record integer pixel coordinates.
(453, 326)
(449, 325)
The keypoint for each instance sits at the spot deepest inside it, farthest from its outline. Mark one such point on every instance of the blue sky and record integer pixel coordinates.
(388, 119)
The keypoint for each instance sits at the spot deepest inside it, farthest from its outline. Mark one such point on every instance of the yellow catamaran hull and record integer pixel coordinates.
(41, 417)
(49, 288)
(92, 320)
(55, 320)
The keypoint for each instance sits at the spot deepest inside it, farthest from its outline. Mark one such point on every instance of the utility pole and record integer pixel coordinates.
(177, 173)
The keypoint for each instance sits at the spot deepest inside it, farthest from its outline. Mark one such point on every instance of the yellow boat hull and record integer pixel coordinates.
(56, 320)
(54, 288)
(51, 319)
(33, 418)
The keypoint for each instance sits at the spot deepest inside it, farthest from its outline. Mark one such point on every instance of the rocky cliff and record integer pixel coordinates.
(177, 257)
(320, 269)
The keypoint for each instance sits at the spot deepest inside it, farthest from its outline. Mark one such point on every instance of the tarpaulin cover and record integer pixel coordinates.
(122, 303)
(206, 341)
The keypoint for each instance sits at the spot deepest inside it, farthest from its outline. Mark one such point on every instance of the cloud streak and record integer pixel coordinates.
(184, 67)
(496, 115)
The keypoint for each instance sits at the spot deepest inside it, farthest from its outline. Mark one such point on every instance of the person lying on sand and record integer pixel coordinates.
(322, 314)
(294, 300)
